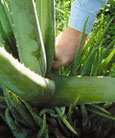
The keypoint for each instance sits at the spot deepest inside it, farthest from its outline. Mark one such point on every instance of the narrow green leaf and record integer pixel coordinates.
(18, 133)
(36, 118)
(72, 106)
(42, 130)
(11, 106)
(85, 118)
(67, 124)
(46, 14)
(6, 31)
(2, 33)
(101, 28)
(102, 109)
(108, 48)
(91, 39)
(2, 36)
(63, 127)
(46, 111)
(76, 101)
(106, 61)
(8, 12)
(112, 70)
(3, 39)
(2, 103)
(102, 114)
(105, 30)
(5, 22)
(88, 64)
(10, 120)
(66, 15)
(96, 64)
(78, 53)
(19, 108)
(62, 11)
(2, 114)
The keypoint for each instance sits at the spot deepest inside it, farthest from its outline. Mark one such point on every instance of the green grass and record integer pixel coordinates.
(62, 13)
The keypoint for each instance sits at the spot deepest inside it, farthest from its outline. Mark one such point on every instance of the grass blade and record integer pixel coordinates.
(91, 39)
(101, 113)
(42, 130)
(102, 109)
(78, 53)
(88, 64)
(106, 61)
(105, 30)
(108, 48)
(67, 124)
(71, 107)
(101, 28)
(36, 118)
(46, 14)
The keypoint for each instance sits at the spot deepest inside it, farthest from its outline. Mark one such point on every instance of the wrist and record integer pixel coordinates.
(75, 33)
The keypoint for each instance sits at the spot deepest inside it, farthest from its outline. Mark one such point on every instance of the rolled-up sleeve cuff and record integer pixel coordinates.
(78, 18)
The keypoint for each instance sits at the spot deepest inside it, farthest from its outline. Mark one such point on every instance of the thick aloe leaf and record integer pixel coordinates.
(89, 89)
(28, 35)
(15, 103)
(46, 14)
(29, 86)
(39, 91)
(16, 130)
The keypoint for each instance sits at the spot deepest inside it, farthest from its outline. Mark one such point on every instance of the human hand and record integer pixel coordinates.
(66, 47)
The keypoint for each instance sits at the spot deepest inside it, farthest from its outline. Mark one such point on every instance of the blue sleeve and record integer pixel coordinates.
(81, 9)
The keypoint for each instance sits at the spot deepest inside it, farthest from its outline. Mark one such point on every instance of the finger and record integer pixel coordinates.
(57, 64)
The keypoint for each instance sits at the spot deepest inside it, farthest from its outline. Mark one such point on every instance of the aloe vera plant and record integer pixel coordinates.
(28, 82)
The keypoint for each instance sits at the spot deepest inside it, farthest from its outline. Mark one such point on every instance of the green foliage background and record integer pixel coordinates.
(108, 11)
